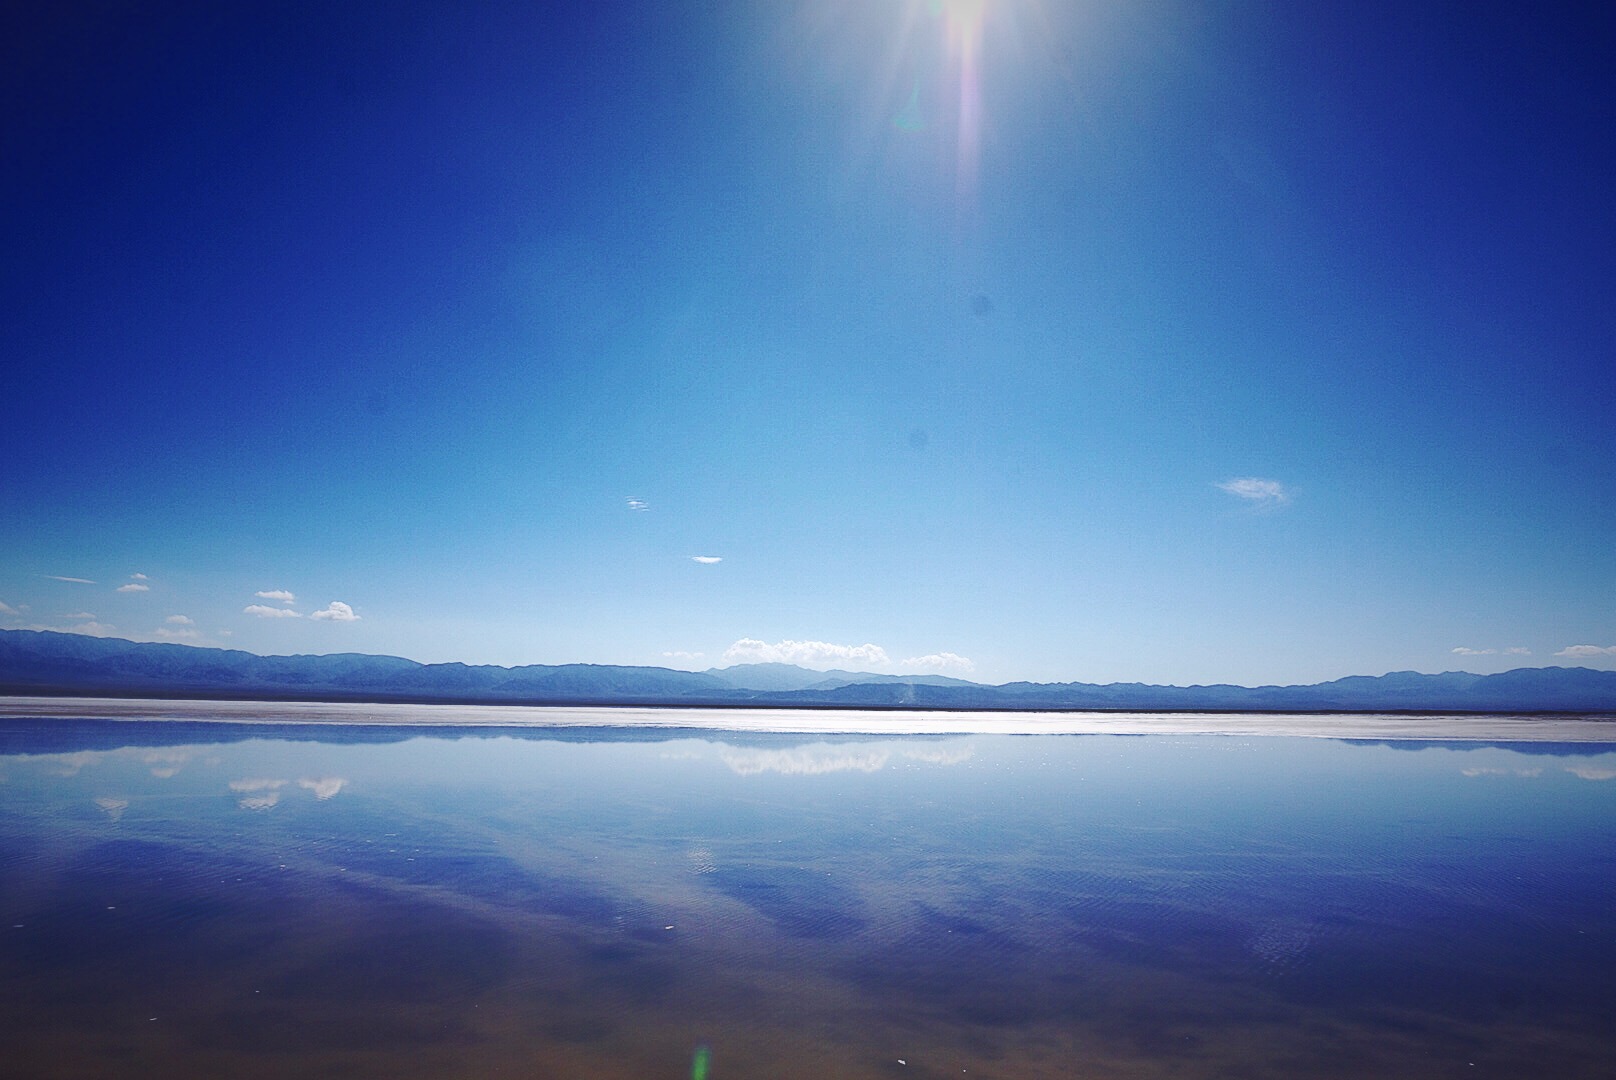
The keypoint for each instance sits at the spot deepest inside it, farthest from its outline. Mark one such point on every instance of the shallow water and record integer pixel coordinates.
(337, 901)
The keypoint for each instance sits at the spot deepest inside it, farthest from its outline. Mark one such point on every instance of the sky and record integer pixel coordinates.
(1004, 339)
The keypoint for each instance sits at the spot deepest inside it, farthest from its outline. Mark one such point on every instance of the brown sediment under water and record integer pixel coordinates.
(271, 890)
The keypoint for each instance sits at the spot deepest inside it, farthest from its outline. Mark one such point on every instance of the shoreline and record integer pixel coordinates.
(1437, 727)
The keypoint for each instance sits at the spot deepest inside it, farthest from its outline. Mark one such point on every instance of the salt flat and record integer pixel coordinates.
(1466, 727)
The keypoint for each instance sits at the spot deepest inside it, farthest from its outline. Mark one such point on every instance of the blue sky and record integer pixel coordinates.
(1005, 339)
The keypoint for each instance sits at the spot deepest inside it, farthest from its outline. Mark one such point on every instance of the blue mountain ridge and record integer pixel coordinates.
(46, 662)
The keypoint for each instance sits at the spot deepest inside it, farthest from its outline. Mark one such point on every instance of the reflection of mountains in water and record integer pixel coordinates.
(46, 662)
(1552, 749)
(54, 736)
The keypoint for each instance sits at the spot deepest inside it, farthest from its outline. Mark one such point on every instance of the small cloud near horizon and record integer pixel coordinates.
(1256, 490)
(937, 663)
(276, 594)
(184, 633)
(638, 504)
(681, 654)
(7, 609)
(180, 620)
(805, 653)
(707, 560)
(1462, 651)
(133, 586)
(139, 577)
(1587, 652)
(263, 611)
(93, 629)
(336, 611)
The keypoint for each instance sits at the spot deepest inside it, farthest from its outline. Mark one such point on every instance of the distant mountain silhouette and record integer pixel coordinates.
(44, 662)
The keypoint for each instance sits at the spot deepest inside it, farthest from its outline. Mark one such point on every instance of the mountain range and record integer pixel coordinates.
(45, 662)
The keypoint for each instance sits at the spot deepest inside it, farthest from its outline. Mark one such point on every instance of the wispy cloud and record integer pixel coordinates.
(7, 609)
(938, 662)
(184, 633)
(74, 580)
(1462, 651)
(180, 620)
(1257, 490)
(336, 611)
(1587, 652)
(265, 612)
(277, 594)
(138, 577)
(134, 586)
(680, 654)
(806, 653)
(707, 560)
(1518, 650)
(80, 615)
(638, 504)
(93, 629)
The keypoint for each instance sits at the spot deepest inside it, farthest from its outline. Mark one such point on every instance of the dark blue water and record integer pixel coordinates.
(365, 903)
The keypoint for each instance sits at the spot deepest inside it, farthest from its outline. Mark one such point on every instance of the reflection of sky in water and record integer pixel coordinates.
(1199, 906)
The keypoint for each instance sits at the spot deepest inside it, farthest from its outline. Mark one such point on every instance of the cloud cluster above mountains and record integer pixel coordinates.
(825, 654)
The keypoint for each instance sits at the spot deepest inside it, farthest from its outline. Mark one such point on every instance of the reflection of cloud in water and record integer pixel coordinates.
(942, 755)
(256, 784)
(1591, 772)
(270, 789)
(806, 760)
(324, 787)
(71, 764)
(114, 807)
(165, 763)
(1485, 770)
(821, 758)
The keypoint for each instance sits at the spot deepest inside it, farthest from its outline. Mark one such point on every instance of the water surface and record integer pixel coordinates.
(224, 900)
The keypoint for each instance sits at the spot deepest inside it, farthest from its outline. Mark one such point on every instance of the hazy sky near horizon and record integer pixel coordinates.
(1005, 339)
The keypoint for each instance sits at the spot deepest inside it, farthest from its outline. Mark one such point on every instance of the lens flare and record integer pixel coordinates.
(962, 23)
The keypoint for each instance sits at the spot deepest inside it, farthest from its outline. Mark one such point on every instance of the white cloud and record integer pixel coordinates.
(336, 611)
(93, 629)
(1591, 772)
(937, 662)
(707, 560)
(680, 654)
(1462, 651)
(638, 504)
(324, 787)
(1518, 651)
(75, 580)
(277, 594)
(259, 802)
(1584, 652)
(265, 612)
(79, 615)
(134, 586)
(7, 609)
(180, 620)
(139, 577)
(806, 653)
(1257, 490)
(184, 633)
